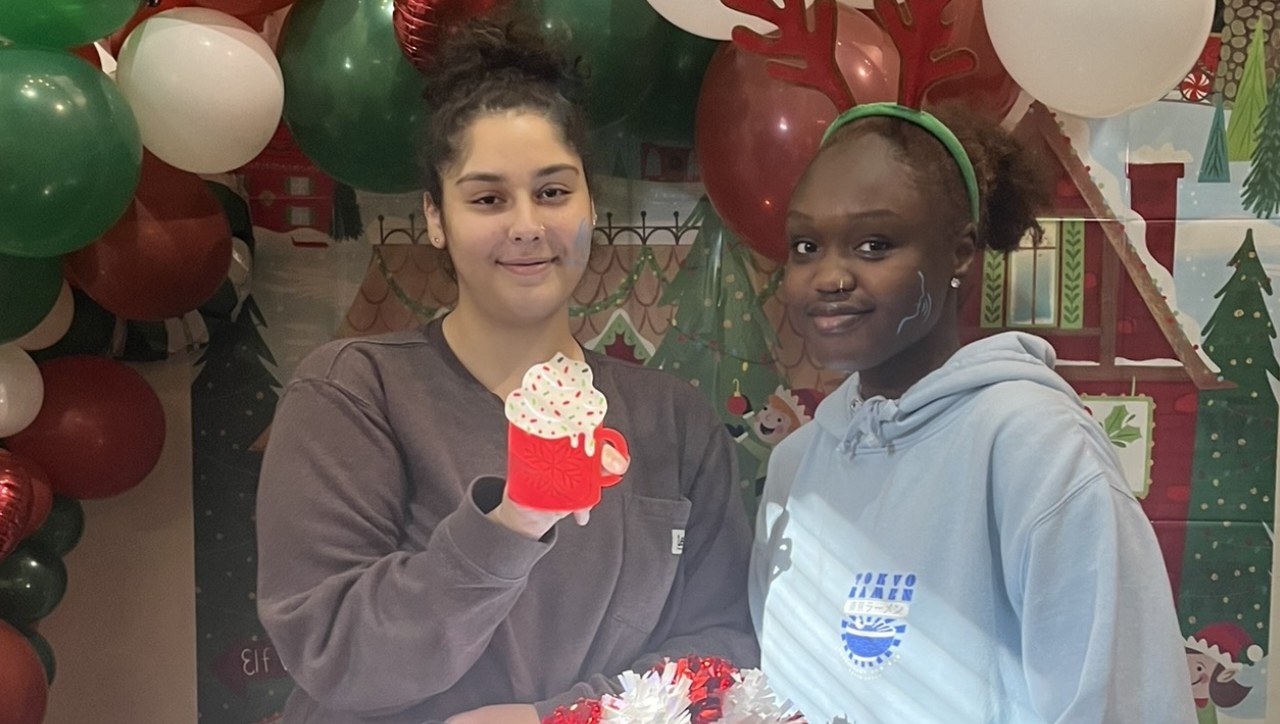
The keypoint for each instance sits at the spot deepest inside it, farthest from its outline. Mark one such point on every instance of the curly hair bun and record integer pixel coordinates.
(512, 50)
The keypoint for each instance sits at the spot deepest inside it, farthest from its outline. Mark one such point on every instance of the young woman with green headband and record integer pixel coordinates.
(953, 539)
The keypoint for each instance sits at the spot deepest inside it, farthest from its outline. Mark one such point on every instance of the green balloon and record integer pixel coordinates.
(63, 23)
(61, 531)
(666, 114)
(616, 41)
(33, 580)
(91, 331)
(28, 289)
(70, 148)
(44, 651)
(352, 100)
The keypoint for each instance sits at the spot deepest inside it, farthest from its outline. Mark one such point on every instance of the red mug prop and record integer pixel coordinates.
(554, 473)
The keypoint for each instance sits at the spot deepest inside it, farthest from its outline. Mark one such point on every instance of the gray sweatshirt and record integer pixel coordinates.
(390, 597)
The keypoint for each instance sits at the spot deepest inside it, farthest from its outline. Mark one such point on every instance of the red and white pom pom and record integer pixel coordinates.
(686, 691)
(750, 701)
(657, 697)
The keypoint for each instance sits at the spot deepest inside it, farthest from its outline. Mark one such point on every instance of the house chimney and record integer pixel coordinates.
(1153, 193)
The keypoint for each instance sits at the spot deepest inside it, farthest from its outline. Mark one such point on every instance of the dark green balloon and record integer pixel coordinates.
(617, 41)
(33, 580)
(61, 531)
(352, 100)
(236, 209)
(70, 152)
(44, 651)
(28, 289)
(666, 114)
(63, 23)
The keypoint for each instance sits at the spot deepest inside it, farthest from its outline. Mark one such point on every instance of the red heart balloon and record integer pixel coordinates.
(420, 24)
(15, 503)
(41, 493)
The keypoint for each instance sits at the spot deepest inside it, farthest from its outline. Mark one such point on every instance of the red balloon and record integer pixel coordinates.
(419, 24)
(41, 492)
(116, 40)
(245, 8)
(89, 53)
(755, 135)
(166, 256)
(24, 693)
(989, 88)
(100, 430)
(253, 12)
(15, 503)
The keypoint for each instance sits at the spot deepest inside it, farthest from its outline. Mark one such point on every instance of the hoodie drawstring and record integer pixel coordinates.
(866, 425)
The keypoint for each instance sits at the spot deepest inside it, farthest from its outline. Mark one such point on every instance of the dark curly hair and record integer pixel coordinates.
(1013, 188)
(491, 65)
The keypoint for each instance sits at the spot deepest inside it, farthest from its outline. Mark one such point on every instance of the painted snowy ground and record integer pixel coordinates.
(304, 292)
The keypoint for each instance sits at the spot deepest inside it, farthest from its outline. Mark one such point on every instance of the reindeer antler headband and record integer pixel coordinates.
(926, 44)
(929, 123)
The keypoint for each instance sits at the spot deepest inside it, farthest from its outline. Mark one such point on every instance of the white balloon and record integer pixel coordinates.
(54, 325)
(711, 19)
(21, 390)
(206, 89)
(1098, 58)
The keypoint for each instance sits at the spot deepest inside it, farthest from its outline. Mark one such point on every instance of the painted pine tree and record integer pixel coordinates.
(1261, 192)
(233, 399)
(1226, 571)
(719, 340)
(1215, 167)
(1251, 99)
(346, 223)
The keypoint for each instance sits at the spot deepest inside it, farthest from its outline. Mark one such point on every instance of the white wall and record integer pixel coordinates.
(124, 635)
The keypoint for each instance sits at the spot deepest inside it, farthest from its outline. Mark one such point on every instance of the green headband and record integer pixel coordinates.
(924, 120)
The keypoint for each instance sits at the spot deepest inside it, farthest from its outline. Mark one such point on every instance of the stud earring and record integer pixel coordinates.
(955, 282)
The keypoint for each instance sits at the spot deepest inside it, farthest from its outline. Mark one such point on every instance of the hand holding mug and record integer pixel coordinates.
(559, 454)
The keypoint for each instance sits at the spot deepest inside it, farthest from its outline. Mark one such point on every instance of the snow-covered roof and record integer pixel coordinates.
(1164, 154)
(1121, 362)
(1068, 139)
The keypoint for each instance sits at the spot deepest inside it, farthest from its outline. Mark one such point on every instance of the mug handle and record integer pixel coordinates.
(608, 435)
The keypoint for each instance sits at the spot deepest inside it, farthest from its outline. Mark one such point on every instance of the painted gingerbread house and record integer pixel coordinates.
(1098, 286)
(286, 190)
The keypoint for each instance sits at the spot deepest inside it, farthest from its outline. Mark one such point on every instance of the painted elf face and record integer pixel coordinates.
(1200, 667)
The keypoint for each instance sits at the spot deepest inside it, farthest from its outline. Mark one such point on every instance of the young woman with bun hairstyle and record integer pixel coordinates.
(397, 580)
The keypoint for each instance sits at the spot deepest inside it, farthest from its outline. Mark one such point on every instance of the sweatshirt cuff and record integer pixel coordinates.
(491, 546)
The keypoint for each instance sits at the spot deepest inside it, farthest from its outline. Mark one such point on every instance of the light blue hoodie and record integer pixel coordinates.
(968, 553)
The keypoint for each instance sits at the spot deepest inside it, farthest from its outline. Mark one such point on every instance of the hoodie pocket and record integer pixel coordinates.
(653, 540)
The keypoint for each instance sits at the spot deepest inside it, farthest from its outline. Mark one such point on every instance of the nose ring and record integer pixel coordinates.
(841, 287)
